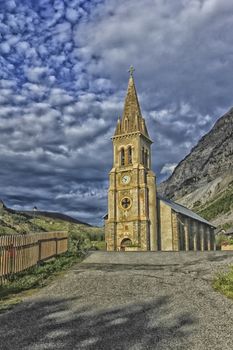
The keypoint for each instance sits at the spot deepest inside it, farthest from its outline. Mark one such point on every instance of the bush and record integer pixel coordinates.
(37, 276)
(221, 205)
(222, 239)
(224, 283)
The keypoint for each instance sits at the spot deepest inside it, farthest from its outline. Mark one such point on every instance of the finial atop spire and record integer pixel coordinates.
(131, 70)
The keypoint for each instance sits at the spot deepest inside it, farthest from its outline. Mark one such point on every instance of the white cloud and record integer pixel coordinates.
(62, 32)
(59, 97)
(86, 130)
(168, 51)
(5, 47)
(11, 5)
(5, 83)
(22, 46)
(13, 39)
(35, 74)
(72, 15)
(168, 168)
(42, 50)
(35, 87)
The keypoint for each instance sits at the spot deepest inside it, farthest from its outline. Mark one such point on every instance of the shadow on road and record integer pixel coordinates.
(121, 267)
(57, 324)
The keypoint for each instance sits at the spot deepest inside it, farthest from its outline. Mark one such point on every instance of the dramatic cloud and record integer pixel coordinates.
(63, 77)
(168, 168)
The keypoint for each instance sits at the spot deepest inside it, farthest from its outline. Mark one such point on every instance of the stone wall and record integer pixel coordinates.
(165, 226)
(175, 231)
(179, 232)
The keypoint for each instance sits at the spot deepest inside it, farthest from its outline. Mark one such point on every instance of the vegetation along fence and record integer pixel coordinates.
(19, 252)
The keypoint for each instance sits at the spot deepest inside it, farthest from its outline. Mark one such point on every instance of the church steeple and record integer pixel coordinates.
(132, 120)
(132, 184)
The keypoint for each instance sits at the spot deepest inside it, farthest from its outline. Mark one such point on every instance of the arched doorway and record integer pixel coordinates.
(126, 242)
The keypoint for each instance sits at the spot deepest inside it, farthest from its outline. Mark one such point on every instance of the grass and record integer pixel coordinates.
(23, 223)
(222, 204)
(227, 225)
(99, 245)
(223, 239)
(224, 283)
(36, 277)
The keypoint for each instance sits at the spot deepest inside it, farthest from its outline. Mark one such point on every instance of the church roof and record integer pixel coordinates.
(132, 120)
(178, 208)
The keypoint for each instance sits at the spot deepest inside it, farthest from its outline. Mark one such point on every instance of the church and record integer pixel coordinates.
(138, 218)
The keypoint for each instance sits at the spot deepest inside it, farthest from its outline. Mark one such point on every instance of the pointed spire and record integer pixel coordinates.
(132, 120)
(132, 107)
(118, 127)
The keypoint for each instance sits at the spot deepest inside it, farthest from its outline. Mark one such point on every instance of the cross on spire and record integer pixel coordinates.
(131, 70)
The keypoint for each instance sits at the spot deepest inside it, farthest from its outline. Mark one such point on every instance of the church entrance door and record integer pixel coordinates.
(126, 242)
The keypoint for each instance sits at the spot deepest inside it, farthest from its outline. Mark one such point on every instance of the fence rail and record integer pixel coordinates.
(19, 252)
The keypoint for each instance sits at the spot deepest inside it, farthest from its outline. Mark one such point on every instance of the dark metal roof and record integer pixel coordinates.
(178, 208)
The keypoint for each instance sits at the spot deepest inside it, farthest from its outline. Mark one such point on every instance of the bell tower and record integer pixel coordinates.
(132, 214)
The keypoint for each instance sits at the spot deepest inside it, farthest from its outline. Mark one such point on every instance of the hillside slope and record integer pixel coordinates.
(203, 180)
(53, 215)
(18, 222)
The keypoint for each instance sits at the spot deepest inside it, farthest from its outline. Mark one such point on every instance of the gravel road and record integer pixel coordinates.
(127, 301)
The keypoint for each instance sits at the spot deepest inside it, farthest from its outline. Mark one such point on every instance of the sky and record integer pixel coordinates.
(63, 78)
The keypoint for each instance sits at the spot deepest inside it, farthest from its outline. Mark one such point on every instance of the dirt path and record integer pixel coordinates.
(127, 301)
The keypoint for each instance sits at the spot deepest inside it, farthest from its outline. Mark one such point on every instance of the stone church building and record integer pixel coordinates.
(138, 218)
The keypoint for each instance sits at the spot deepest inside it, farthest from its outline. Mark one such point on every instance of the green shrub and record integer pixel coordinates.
(220, 205)
(224, 283)
(196, 204)
(36, 276)
(222, 239)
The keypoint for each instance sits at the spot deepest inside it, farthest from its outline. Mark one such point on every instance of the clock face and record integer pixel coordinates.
(125, 179)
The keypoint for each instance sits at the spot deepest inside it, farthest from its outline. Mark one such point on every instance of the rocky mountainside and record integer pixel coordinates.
(203, 180)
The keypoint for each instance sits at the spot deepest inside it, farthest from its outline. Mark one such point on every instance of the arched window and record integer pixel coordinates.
(129, 155)
(143, 155)
(122, 155)
(146, 159)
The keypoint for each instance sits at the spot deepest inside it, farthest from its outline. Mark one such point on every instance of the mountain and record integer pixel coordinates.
(203, 180)
(15, 222)
(53, 215)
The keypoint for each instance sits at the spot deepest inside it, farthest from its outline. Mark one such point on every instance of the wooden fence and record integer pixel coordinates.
(19, 252)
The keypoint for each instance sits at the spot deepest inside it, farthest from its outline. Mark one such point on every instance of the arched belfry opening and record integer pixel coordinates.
(129, 154)
(146, 159)
(122, 156)
(143, 156)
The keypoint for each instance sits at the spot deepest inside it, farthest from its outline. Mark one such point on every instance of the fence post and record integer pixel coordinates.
(56, 245)
(11, 255)
(39, 251)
